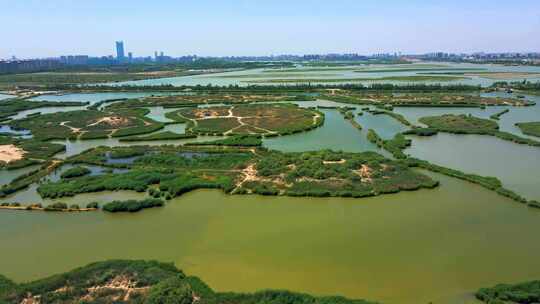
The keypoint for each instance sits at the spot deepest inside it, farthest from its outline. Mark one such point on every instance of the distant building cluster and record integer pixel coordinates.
(121, 60)
(25, 66)
(481, 56)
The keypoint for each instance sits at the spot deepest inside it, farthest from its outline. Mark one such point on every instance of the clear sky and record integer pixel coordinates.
(40, 28)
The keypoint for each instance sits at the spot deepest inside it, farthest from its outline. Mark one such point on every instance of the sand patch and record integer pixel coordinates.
(329, 162)
(114, 121)
(365, 173)
(10, 153)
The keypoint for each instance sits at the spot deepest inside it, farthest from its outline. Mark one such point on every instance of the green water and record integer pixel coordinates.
(6, 176)
(414, 247)
(335, 134)
(517, 166)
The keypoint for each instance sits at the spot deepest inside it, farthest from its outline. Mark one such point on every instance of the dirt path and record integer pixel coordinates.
(73, 129)
(316, 118)
(250, 174)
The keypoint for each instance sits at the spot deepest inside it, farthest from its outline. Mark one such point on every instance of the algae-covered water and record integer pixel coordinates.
(414, 247)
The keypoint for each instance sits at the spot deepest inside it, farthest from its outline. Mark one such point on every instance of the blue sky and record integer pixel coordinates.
(38, 28)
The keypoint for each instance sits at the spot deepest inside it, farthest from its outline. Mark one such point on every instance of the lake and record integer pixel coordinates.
(414, 247)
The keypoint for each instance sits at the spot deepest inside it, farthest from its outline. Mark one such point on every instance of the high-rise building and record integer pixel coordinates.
(130, 56)
(120, 50)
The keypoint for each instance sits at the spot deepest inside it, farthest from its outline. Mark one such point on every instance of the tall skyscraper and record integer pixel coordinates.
(120, 50)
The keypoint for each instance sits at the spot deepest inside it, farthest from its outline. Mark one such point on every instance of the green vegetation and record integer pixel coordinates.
(177, 170)
(465, 124)
(141, 282)
(522, 293)
(190, 100)
(56, 207)
(88, 124)
(132, 205)
(468, 124)
(327, 173)
(421, 132)
(395, 145)
(498, 115)
(25, 180)
(530, 128)
(420, 98)
(235, 140)
(524, 86)
(349, 115)
(267, 119)
(75, 172)
(298, 90)
(92, 205)
(414, 78)
(166, 135)
(400, 118)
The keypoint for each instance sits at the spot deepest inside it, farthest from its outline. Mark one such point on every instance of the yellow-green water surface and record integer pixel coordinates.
(414, 247)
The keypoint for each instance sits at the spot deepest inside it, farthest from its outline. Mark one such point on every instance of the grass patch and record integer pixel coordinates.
(76, 172)
(235, 141)
(166, 135)
(530, 128)
(87, 124)
(276, 119)
(468, 124)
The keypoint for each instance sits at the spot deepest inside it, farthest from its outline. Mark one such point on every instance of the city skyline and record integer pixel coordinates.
(61, 27)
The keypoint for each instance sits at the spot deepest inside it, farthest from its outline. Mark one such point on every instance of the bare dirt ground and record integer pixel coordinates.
(329, 162)
(114, 121)
(365, 173)
(10, 153)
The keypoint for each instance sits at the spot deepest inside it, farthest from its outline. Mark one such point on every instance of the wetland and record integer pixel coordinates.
(297, 188)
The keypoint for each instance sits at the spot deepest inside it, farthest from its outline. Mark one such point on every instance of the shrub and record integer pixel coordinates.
(132, 205)
(171, 291)
(92, 205)
(56, 207)
(75, 172)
